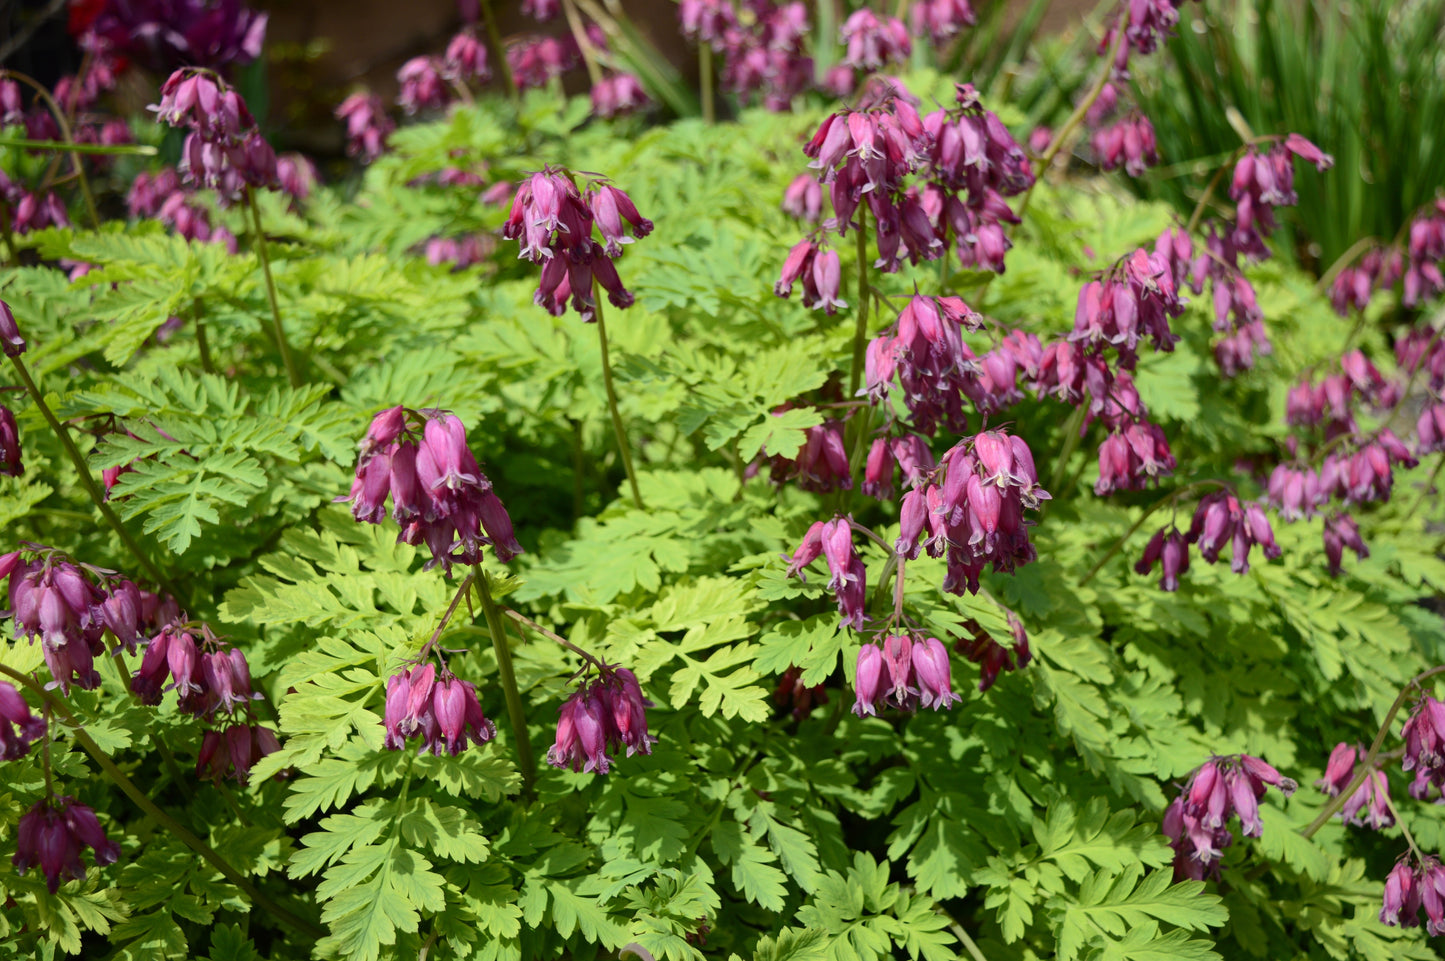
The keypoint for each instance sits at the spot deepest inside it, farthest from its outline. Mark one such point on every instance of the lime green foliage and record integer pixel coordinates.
(1022, 824)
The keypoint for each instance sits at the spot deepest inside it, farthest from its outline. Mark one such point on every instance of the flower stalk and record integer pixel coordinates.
(508, 677)
(860, 334)
(612, 408)
(278, 332)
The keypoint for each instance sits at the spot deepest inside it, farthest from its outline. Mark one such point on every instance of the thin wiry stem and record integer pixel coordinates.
(508, 677)
(277, 331)
(612, 407)
(860, 334)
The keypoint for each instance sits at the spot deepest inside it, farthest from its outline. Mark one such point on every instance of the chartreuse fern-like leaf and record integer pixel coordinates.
(1117, 915)
(201, 445)
(866, 918)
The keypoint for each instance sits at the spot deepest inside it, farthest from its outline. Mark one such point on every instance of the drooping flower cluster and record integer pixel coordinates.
(1146, 24)
(975, 516)
(973, 164)
(873, 41)
(11, 463)
(604, 715)
(821, 272)
(164, 35)
(1261, 182)
(441, 711)
(1128, 143)
(1132, 301)
(162, 196)
(969, 510)
(1195, 820)
(905, 672)
(967, 164)
(367, 125)
(925, 349)
(18, 727)
(537, 61)
(941, 20)
(1170, 549)
(803, 200)
(1377, 269)
(1220, 520)
(426, 83)
(53, 834)
(70, 607)
(439, 495)
(763, 53)
(224, 151)
(212, 682)
(553, 221)
(1370, 802)
(1352, 466)
(617, 94)
(1413, 884)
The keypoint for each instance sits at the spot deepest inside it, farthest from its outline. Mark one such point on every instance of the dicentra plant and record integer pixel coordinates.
(365, 603)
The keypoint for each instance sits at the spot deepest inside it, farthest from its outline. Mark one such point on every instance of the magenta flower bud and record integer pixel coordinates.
(1341, 531)
(148, 682)
(1339, 771)
(398, 696)
(804, 199)
(121, 613)
(808, 551)
(1432, 896)
(799, 260)
(184, 664)
(1246, 805)
(1262, 773)
(52, 833)
(18, 727)
(466, 60)
(629, 714)
(618, 94)
(1308, 152)
(913, 519)
(868, 682)
(449, 703)
(1402, 898)
(827, 276)
(11, 464)
(898, 659)
(878, 474)
(498, 525)
(591, 720)
(837, 541)
(422, 87)
(1152, 552)
(931, 668)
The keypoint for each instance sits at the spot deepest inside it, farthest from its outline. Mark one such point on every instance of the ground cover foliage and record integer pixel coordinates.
(770, 819)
